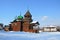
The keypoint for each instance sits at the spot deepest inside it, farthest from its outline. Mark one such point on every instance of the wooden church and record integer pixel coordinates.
(25, 24)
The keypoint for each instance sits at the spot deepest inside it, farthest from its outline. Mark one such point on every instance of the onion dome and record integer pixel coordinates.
(20, 17)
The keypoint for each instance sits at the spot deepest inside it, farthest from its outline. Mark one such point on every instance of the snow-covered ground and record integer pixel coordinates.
(29, 36)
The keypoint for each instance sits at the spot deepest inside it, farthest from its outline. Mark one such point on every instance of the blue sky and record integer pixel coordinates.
(47, 12)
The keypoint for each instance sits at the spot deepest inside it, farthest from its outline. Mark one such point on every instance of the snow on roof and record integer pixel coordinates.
(50, 26)
(34, 22)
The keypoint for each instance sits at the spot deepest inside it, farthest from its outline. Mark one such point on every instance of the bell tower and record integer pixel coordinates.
(28, 16)
(26, 21)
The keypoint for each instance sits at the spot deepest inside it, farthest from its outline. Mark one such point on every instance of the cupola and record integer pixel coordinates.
(20, 17)
(28, 14)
